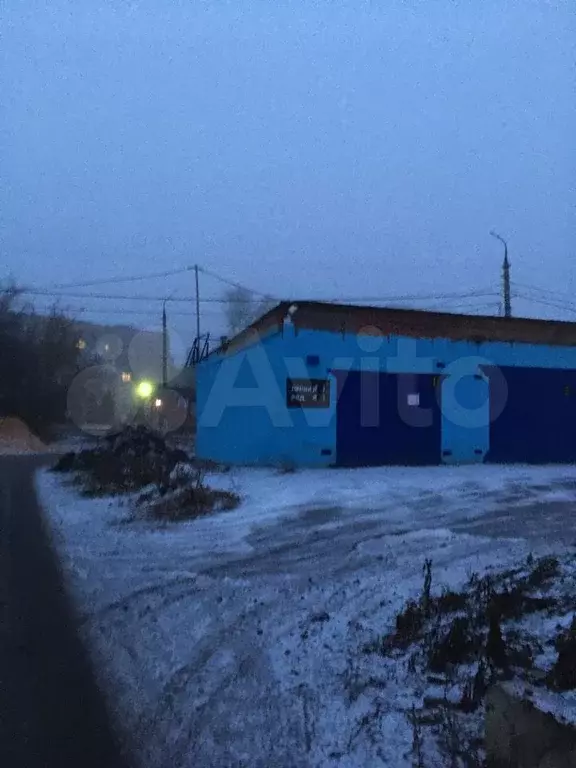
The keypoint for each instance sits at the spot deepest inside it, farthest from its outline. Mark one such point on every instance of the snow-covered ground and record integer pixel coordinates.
(235, 640)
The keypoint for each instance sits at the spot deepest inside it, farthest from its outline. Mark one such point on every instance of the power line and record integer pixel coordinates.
(414, 297)
(128, 311)
(183, 313)
(124, 297)
(467, 306)
(545, 291)
(156, 275)
(344, 299)
(224, 300)
(143, 312)
(128, 279)
(59, 290)
(540, 299)
(549, 303)
(233, 283)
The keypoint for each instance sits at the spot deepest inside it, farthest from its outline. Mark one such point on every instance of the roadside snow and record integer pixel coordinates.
(562, 706)
(235, 640)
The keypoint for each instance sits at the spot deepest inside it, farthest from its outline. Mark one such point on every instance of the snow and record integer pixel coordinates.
(562, 706)
(236, 639)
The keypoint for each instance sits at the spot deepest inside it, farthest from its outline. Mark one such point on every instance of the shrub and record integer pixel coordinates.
(192, 501)
(451, 602)
(455, 629)
(545, 569)
(409, 625)
(455, 646)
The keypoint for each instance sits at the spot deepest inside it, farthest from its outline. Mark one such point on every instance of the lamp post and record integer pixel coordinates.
(505, 277)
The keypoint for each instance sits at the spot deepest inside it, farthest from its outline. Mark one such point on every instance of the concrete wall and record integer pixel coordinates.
(242, 413)
(242, 416)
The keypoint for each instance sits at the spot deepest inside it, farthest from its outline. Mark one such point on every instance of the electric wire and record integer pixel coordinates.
(545, 291)
(225, 300)
(126, 279)
(548, 302)
(234, 284)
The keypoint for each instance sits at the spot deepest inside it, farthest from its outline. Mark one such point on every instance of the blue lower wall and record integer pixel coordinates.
(243, 417)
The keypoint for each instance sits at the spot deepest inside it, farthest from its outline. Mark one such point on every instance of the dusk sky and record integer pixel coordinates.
(309, 149)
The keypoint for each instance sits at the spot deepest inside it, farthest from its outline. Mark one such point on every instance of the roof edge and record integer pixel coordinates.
(493, 325)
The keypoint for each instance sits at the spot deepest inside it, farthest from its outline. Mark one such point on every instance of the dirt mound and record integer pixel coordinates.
(16, 437)
(125, 461)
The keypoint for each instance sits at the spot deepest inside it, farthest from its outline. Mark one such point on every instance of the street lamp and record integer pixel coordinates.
(145, 390)
(505, 276)
(504, 243)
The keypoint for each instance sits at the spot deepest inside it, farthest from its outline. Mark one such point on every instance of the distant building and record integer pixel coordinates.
(317, 384)
(116, 358)
(122, 346)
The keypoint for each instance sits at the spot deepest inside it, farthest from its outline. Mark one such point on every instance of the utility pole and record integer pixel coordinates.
(197, 306)
(505, 277)
(164, 348)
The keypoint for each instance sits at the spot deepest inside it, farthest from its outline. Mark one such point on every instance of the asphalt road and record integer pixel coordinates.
(52, 714)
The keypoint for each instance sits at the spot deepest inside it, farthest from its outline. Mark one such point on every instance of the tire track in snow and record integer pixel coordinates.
(242, 627)
(291, 563)
(124, 603)
(232, 680)
(343, 596)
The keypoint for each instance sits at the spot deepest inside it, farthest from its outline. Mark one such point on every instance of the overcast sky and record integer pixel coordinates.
(316, 149)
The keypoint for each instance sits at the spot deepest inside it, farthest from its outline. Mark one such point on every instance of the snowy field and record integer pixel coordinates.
(235, 640)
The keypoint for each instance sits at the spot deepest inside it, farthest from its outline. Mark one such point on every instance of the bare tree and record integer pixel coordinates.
(39, 359)
(243, 307)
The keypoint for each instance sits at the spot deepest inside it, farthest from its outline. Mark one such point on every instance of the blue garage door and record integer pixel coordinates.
(385, 418)
(532, 415)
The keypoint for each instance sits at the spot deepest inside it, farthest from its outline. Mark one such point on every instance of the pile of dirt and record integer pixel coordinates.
(125, 461)
(16, 437)
(138, 459)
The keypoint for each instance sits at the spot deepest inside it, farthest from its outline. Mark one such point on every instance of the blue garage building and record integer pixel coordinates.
(317, 384)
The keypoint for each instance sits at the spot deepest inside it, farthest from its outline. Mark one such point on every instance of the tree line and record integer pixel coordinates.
(39, 354)
(39, 358)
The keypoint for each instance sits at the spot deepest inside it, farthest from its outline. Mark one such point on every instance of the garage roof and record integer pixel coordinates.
(354, 319)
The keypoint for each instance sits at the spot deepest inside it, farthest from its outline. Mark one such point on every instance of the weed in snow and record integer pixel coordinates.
(465, 641)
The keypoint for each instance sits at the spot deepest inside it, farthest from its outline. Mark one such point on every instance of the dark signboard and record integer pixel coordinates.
(308, 393)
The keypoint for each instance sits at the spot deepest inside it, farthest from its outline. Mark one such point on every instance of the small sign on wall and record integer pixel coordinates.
(414, 400)
(308, 393)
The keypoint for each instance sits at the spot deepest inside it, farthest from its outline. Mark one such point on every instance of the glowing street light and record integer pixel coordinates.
(145, 390)
(158, 402)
